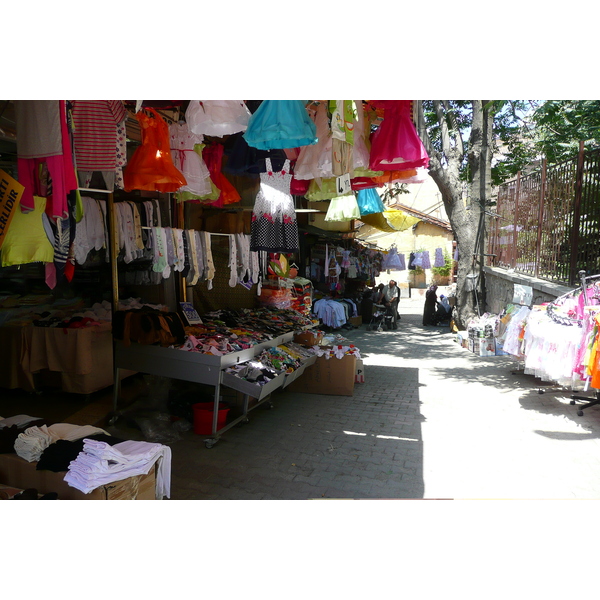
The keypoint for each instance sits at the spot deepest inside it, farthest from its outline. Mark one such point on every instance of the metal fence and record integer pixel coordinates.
(547, 223)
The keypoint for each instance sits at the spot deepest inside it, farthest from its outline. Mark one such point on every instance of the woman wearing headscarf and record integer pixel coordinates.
(430, 308)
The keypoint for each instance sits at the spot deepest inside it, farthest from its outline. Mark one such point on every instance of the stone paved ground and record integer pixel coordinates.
(432, 420)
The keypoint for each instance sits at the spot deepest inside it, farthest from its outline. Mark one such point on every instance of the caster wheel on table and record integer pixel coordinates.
(209, 443)
(580, 413)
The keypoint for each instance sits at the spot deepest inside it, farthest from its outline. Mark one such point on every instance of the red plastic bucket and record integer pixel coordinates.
(203, 417)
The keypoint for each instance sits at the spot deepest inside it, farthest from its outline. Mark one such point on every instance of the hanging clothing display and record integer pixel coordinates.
(189, 162)
(343, 117)
(121, 154)
(44, 146)
(425, 262)
(343, 208)
(391, 261)
(217, 118)
(439, 260)
(151, 166)
(315, 160)
(280, 124)
(274, 227)
(213, 157)
(26, 240)
(95, 124)
(396, 143)
(369, 201)
(243, 159)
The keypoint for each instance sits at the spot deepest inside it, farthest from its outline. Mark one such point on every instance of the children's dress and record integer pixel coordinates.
(274, 227)
(187, 161)
(315, 161)
(217, 117)
(151, 166)
(396, 144)
(280, 124)
(213, 158)
(243, 159)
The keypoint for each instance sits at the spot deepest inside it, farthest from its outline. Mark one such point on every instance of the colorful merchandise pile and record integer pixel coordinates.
(338, 351)
(222, 332)
(271, 362)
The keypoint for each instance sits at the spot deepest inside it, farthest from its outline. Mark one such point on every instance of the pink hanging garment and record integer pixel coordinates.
(43, 138)
(396, 144)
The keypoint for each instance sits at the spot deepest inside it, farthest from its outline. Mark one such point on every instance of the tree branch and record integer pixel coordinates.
(457, 136)
(437, 105)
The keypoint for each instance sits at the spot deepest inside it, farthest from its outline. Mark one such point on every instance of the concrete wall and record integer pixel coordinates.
(499, 284)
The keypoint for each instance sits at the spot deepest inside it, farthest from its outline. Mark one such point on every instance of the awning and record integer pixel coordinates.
(389, 220)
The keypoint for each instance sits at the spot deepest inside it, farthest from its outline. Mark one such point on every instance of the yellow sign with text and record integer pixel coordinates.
(10, 196)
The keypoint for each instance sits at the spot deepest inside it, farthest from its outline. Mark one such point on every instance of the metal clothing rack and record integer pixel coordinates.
(573, 322)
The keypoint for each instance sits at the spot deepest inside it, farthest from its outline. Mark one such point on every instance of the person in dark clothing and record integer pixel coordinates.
(431, 305)
(390, 296)
(443, 311)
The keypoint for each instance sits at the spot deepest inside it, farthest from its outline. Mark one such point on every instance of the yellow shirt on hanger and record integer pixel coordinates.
(26, 240)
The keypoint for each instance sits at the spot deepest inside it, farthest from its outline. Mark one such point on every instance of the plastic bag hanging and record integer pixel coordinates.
(369, 202)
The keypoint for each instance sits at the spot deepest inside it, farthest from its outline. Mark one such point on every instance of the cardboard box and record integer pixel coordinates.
(475, 345)
(308, 338)
(333, 376)
(359, 375)
(17, 472)
(487, 347)
(356, 321)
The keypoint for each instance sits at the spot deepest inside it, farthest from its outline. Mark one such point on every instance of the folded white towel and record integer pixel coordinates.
(100, 463)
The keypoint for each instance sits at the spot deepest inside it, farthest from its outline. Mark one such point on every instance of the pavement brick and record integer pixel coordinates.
(468, 427)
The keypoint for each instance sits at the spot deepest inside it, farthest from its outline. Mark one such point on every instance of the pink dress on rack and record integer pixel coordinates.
(396, 145)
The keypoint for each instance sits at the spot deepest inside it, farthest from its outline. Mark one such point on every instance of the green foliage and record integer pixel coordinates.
(513, 147)
(392, 192)
(561, 124)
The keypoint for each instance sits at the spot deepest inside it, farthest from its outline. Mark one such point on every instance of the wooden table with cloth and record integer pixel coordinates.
(81, 356)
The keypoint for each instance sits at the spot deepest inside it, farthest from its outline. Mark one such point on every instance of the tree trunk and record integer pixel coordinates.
(466, 215)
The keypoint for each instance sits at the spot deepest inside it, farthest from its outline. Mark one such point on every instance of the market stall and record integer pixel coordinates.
(153, 191)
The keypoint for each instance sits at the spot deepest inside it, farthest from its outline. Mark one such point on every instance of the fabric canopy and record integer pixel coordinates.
(390, 220)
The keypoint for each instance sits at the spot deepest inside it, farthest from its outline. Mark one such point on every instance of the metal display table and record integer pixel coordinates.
(206, 369)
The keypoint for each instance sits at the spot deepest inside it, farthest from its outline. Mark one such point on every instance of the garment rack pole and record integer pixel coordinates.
(113, 251)
(113, 243)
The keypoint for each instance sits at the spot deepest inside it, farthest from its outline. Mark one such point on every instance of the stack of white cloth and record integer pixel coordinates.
(101, 463)
(34, 440)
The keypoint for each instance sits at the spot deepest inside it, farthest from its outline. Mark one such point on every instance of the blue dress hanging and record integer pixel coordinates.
(280, 124)
(391, 261)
